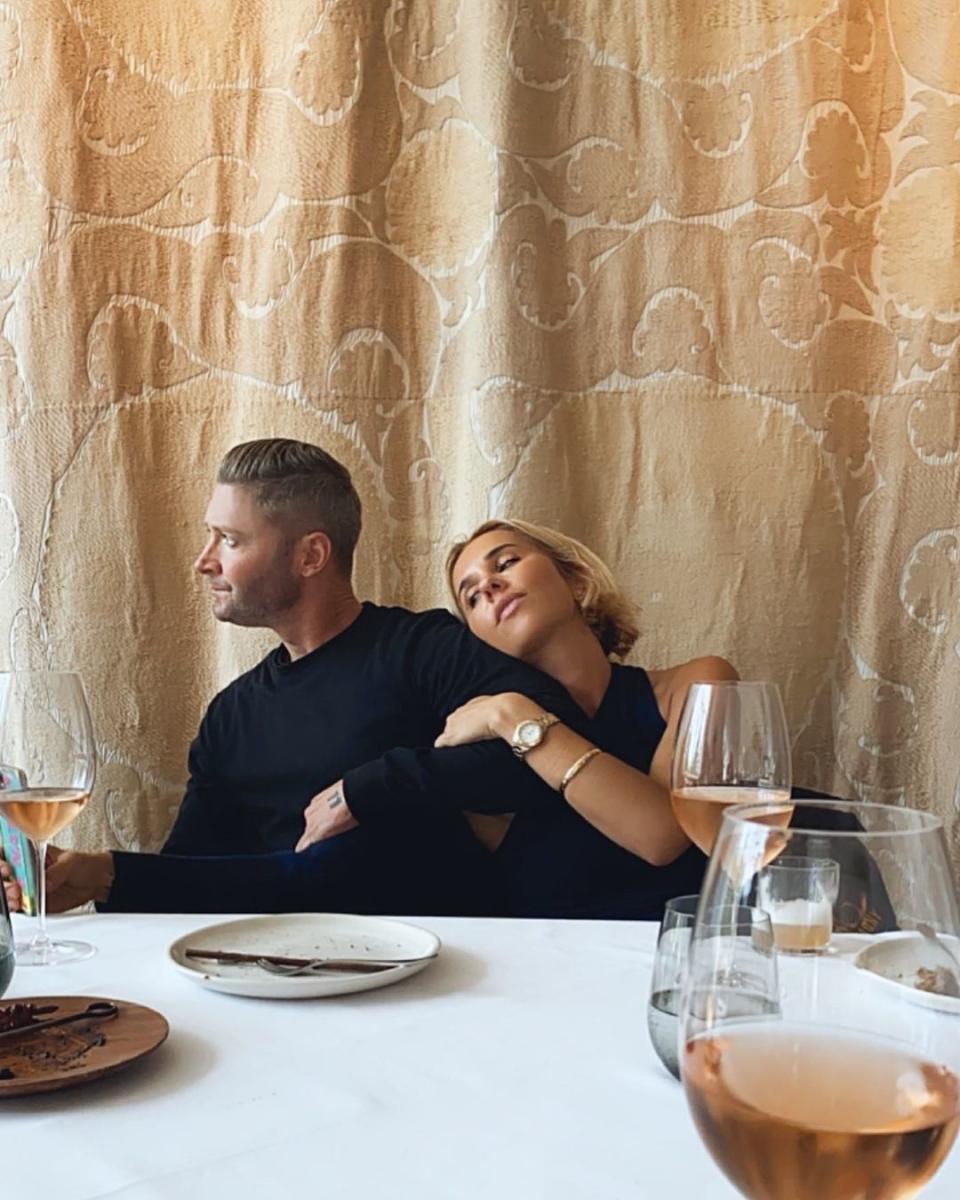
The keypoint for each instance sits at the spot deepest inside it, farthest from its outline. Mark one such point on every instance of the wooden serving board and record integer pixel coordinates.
(65, 1055)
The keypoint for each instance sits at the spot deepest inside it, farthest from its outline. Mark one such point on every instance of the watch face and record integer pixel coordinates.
(529, 734)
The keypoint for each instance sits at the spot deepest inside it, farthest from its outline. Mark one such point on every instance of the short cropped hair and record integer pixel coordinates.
(301, 487)
(608, 613)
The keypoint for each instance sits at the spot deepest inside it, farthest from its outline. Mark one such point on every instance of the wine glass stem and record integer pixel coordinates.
(41, 942)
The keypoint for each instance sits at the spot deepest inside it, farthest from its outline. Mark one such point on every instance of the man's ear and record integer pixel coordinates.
(316, 553)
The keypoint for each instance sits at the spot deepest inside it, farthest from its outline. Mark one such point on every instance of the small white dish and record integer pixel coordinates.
(896, 960)
(303, 935)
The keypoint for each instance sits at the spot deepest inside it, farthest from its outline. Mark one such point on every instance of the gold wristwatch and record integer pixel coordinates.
(530, 733)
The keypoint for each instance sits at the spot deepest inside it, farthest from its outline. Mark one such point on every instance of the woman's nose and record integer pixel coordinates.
(494, 585)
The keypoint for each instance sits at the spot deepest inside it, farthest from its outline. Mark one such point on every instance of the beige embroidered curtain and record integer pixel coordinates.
(680, 278)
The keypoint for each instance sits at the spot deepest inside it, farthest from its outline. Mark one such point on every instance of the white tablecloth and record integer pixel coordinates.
(517, 1067)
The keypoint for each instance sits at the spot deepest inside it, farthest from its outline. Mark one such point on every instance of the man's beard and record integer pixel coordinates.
(260, 604)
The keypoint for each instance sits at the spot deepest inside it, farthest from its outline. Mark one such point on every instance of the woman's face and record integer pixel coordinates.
(511, 593)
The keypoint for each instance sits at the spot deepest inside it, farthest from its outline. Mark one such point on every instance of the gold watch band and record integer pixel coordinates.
(517, 744)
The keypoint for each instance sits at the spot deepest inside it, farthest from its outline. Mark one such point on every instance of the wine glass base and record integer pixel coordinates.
(55, 954)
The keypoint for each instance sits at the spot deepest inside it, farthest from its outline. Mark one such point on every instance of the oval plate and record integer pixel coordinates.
(303, 935)
(896, 961)
(66, 1055)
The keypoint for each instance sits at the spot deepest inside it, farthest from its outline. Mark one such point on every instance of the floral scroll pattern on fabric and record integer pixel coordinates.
(681, 278)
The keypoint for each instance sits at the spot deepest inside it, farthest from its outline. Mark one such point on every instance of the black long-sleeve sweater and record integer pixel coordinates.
(365, 707)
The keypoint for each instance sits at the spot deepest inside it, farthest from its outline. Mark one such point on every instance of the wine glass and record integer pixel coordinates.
(732, 747)
(849, 1086)
(46, 743)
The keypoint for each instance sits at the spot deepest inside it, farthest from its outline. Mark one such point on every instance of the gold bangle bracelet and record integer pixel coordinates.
(573, 771)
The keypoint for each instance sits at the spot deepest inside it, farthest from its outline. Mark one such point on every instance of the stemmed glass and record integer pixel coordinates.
(47, 746)
(732, 747)
(847, 1086)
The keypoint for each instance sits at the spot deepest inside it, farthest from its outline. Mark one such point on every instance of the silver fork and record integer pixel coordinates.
(317, 966)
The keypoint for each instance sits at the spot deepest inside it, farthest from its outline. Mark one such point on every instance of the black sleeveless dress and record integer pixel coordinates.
(560, 866)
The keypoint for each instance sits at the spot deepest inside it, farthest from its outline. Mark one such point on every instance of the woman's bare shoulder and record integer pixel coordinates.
(709, 668)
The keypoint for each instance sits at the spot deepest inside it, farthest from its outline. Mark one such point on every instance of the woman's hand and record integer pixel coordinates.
(486, 717)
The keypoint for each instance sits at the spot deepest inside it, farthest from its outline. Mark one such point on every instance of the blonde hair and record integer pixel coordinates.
(609, 614)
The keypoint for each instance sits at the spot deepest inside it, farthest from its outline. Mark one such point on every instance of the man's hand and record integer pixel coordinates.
(325, 816)
(74, 878)
(11, 887)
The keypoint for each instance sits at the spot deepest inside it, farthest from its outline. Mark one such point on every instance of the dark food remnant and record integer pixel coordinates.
(941, 981)
(52, 1050)
(60, 1048)
(19, 1016)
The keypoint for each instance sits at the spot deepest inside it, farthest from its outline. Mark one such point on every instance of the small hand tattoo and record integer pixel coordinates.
(335, 800)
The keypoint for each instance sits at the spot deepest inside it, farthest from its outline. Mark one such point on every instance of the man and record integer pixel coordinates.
(337, 713)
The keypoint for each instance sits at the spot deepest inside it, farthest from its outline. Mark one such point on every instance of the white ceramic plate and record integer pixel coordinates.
(896, 960)
(303, 935)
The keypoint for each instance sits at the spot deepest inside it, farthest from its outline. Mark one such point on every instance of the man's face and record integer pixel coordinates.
(247, 560)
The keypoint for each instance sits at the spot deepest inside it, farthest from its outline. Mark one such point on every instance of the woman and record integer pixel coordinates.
(545, 598)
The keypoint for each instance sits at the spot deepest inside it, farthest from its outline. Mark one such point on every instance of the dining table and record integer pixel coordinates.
(516, 1066)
